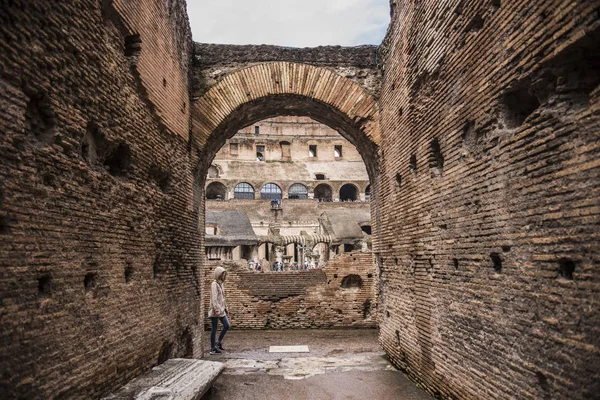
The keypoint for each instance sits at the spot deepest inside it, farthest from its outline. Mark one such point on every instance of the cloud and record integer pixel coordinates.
(296, 23)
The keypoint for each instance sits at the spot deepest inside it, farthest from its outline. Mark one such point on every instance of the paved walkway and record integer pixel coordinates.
(341, 364)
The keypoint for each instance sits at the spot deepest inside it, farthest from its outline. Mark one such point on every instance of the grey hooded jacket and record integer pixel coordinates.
(217, 296)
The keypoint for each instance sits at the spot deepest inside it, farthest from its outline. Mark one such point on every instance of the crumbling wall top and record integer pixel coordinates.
(359, 56)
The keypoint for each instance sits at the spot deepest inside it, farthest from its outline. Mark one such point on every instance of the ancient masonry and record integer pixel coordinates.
(340, 295)
(479, 124)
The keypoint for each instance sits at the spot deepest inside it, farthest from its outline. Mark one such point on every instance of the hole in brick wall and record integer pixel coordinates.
(436, 159)
(348, 247)
(161, 177)
(133, 45)
(40, 119)
(399, 180)
(516, 105)
(496, 3)
(387, 314)
(45, 285)
(469, 135)
(506, 249)
(455, 263)
(366, 309)
(49, 179)
(335, 276)
(542, 380)
(475, 24)
(128, 274)
(396, 260)
(352, 281)
(566, 268)
(369, 275)
(183, 108)
(89, 281)
(400, 110)
(574, 73)
(164, 82)
(496, 262)
(155, 269)
(119, 160)
(412, 164)
(397, 335)
(165, 352)
(4, 225)
(93, 140)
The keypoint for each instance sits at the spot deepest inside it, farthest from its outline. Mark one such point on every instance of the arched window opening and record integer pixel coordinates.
(348, 192)
(368, 193)
(216, 191)
(298, 191)
(270, 192)
(243, 191)
(323, 192)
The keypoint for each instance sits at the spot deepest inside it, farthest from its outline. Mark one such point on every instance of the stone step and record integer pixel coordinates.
(175, 379)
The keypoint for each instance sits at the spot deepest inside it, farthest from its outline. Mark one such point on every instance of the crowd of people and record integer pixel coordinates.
(278, 266)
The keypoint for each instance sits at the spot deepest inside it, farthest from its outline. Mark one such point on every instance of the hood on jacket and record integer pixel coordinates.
(218, 272)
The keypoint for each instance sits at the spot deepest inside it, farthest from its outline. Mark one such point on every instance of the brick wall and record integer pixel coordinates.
(300, 299)
(98, 226)
(163, 56)
(490, 166)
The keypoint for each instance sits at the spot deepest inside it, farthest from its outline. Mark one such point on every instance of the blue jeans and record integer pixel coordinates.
(214, 326)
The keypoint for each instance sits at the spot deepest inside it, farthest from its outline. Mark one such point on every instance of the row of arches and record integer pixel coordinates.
(297, 191)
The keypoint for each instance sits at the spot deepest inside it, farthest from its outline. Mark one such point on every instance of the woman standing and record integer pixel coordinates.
(218, 310)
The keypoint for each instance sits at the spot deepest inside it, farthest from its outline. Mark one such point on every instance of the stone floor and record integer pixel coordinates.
(341, 364)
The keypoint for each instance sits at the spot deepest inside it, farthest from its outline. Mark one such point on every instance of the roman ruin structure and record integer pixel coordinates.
(290, 176)
(478, 125)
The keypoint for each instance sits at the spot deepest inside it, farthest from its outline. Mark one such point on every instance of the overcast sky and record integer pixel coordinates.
(296, 23)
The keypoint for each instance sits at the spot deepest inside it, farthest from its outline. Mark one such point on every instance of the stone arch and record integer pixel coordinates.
(244, 190)
(216, 191)
(349, 191)
(323, 192)
(266, 90)
(271, 191)
(297, 191)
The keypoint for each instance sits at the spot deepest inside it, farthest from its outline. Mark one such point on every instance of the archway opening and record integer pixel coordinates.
(323, 192)
(216, 191)
(298, 192)
(287, 233)
(348, 192)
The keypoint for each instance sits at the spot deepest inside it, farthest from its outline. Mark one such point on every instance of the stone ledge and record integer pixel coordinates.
(175, 379)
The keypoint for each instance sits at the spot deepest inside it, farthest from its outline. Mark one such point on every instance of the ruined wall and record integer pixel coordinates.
(340, 295)
(99, 245)
(292, 211)
(490, 165)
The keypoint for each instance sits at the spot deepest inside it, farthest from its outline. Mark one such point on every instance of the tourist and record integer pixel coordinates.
(218, 310)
